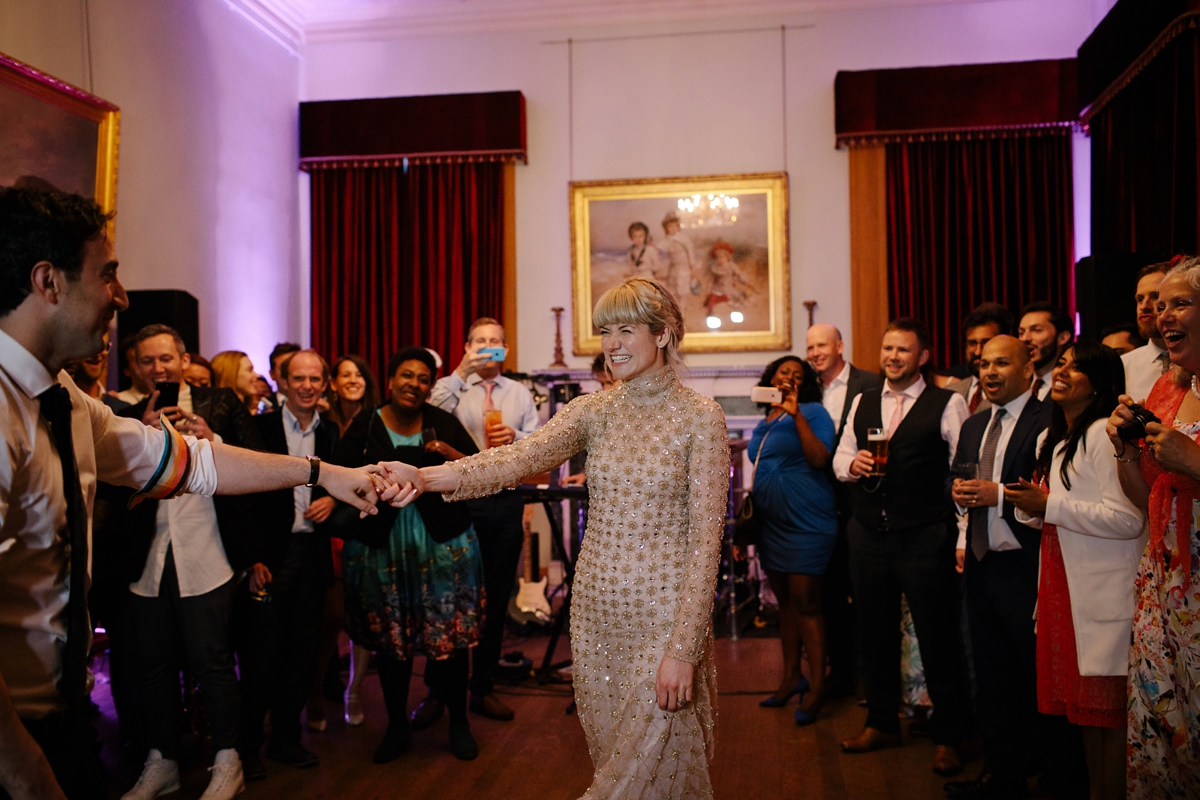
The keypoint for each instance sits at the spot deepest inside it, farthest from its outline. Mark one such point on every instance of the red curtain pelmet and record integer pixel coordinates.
(1146, 157)
(404, 258)
(976, 220)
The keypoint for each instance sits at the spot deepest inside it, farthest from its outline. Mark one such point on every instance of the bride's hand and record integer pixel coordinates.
(673, 684)
(404, 482)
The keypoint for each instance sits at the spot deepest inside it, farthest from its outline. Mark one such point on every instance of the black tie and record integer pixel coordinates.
(56, 408)
(987, 464)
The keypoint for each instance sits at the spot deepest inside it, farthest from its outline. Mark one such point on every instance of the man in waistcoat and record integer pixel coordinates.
(902, 539)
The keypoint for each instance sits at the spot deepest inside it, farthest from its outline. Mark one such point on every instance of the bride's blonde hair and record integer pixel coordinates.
(647, 302)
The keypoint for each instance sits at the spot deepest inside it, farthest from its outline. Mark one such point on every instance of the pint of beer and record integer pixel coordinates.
(877, 444)
(492, 419)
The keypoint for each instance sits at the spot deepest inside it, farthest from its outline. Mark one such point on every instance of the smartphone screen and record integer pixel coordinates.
(168, 394)
(496, 353)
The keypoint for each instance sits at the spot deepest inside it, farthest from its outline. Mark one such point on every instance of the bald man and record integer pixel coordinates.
(999, 558)
(841, 383)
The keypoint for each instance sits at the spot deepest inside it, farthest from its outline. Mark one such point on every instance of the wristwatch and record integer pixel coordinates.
(314, 471)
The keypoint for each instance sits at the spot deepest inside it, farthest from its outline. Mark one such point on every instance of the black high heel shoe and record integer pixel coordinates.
(799, 689)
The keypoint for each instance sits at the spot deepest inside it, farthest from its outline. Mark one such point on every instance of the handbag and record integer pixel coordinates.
(745, 524)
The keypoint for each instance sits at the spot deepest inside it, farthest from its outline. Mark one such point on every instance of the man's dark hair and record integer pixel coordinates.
(1131, 328)
(1058, 317)
(40, 225)
(282, 349)
(913, 325)
(157, 329)
(1162, 266)
(128, 342)
(990, 314)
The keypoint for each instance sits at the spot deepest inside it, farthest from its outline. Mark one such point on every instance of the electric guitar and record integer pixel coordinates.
(530, 603)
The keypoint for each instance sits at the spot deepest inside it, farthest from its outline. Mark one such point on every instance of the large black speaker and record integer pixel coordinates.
(173, 307)
(1104, 289)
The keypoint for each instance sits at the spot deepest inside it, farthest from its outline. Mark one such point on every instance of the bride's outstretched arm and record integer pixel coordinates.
(502, 467)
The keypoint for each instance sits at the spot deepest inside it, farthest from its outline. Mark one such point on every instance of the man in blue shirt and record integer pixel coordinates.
(473, 392)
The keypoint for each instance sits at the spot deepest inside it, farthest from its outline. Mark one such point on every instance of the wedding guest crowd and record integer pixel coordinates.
(1066, 553)
(1036, 515)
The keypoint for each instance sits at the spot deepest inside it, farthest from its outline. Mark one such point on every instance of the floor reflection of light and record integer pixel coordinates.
(735, 316)
(713, 322)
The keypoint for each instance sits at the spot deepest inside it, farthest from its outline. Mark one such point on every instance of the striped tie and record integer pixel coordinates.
(987, 463)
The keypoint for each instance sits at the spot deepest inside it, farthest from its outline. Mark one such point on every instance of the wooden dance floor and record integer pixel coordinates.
(542, 754)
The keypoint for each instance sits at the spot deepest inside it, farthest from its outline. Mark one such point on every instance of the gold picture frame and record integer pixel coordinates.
(58, 134)
(725, 260)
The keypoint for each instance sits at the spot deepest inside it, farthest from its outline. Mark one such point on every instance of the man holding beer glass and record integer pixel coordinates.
(895, 454)
(495, 411)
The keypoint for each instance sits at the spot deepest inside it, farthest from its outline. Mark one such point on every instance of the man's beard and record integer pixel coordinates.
(1045, 357)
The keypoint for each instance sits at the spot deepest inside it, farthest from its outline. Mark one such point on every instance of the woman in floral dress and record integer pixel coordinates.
(658, 474)
(414, 578)
(1163, 476)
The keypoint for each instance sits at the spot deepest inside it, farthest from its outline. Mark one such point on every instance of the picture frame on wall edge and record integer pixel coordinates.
(718, 243)
(56, 135)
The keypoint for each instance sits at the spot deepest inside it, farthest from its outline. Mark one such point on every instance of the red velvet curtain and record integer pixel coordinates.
(981, 219)
(1146, 157)
(405, 257)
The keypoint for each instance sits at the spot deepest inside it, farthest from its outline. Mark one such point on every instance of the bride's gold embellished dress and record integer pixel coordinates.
(658, 478)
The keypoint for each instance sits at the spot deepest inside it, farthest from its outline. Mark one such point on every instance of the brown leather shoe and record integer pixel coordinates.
(490, 706)
(426, 713)
(946, 761)
(869, 740)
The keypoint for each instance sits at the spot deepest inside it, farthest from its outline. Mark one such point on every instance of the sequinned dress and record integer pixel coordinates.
(658, 478)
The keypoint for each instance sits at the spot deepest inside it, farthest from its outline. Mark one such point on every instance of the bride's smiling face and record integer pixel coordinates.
(631, 350)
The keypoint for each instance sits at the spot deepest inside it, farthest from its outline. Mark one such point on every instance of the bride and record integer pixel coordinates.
(658, 475)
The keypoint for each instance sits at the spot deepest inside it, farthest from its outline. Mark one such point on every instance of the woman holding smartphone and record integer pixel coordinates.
(1092, 539)
(797, 523)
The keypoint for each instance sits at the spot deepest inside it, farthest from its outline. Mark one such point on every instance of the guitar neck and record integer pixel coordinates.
(528, 552)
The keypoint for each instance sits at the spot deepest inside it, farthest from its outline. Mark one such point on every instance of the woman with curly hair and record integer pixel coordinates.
(796, 513)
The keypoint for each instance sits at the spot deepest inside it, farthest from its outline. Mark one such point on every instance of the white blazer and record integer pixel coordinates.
(1102, 536)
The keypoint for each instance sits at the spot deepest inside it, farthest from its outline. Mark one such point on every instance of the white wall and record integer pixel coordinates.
(207, 196)
(692, 106)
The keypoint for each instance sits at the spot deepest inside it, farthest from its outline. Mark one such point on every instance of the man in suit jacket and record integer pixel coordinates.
(293, 567)
(841, 383)
(901, 539)
(183, 554)
(980, 326)
(999, 557)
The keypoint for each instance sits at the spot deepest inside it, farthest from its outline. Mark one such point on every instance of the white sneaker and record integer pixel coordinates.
(226, 781)
(160, 776)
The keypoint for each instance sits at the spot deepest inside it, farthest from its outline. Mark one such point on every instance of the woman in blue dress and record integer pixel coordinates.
(797, 514)
(413, 576)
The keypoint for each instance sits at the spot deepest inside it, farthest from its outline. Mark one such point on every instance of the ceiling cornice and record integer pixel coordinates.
(295, 22)
(282, 20)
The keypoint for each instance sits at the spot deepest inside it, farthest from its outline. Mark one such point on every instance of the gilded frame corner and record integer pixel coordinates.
(37, 84)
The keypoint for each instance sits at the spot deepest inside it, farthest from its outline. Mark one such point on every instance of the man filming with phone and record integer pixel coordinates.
(191, 549)
(496, 411)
